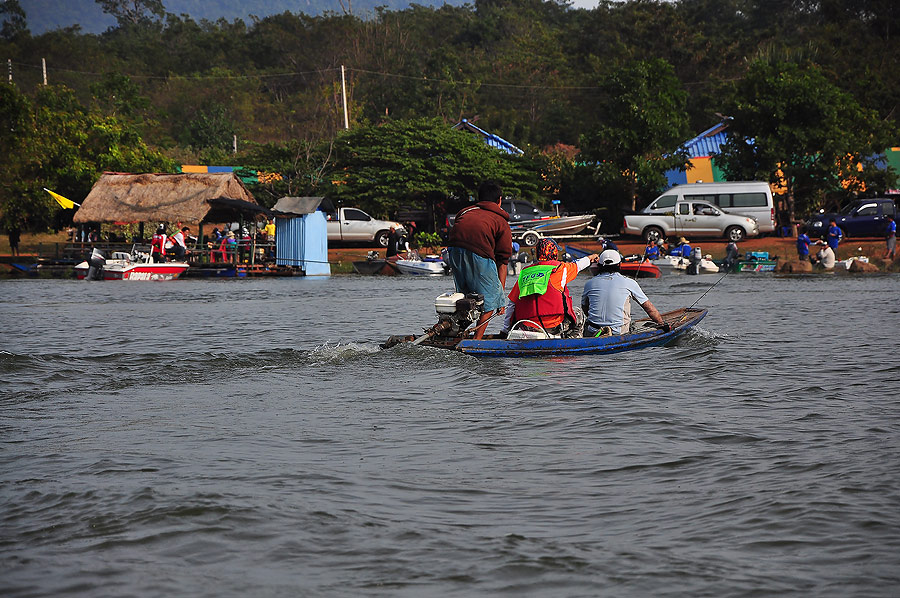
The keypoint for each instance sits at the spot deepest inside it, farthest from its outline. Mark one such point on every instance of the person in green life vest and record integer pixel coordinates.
(541, 297)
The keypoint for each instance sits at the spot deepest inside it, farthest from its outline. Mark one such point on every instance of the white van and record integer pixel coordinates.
(747, 198)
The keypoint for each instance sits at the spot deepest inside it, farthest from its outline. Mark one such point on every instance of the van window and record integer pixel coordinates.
(749, 200)
(666, 201)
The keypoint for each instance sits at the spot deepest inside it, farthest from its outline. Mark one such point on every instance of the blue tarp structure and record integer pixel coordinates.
(301, 235)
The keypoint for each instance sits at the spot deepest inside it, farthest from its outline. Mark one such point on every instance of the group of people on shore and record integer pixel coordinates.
(826, 256)
(480, 247)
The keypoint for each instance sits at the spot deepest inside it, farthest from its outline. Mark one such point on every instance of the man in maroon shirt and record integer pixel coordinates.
(480, 246)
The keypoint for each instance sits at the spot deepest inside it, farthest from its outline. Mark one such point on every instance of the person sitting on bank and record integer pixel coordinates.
(541, 294)
(606, 299)
(825, 257)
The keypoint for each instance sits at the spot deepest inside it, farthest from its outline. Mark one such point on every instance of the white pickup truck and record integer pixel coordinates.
(354, 225)
(691, 219)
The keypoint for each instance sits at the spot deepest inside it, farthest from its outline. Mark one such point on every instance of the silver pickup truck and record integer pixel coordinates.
(692, 219)
(354, 225)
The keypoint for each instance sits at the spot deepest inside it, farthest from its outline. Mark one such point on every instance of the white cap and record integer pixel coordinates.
(610, 257)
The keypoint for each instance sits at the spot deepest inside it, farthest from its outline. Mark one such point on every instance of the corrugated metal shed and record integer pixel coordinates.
(301, 235)
(489, 138)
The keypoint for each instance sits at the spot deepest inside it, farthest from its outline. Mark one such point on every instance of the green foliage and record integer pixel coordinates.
(381, 167)
(293, 169)
(793, 127)
(14, 22)
(644, 121)
(425, 239)
(57, 143)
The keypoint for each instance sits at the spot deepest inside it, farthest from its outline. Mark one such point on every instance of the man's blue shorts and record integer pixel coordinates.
(475, 274)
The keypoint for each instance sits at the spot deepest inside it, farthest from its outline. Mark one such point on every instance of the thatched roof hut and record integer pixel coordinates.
(186, 198)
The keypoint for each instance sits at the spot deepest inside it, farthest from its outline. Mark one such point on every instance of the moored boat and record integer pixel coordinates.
(430, 265)
(137, 265)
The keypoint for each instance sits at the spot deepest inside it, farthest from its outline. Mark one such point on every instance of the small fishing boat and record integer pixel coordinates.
(755, 261)
(632, 265)
(558, 225)
(430, 265)
(374, 264)
(456, 312)
(137, 265)
(680, 264)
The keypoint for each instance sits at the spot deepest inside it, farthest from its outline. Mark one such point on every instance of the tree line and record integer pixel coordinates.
(599, 100)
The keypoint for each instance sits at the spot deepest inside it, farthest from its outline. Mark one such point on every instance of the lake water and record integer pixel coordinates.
(248, 438)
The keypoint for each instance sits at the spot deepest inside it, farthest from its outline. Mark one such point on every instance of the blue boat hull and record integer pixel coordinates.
(680, 320)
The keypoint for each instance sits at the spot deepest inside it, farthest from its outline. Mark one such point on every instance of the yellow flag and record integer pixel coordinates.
(64, 202)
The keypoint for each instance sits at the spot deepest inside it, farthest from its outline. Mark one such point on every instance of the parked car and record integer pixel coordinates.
(354, 225)
(692, 219)
(748, 198)
(860, 218)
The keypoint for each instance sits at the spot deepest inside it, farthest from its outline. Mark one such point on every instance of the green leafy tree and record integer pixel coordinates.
(295, 168)
(644, 123)
(794, 128)
(410, 162)
(57, 143)
(13, 18)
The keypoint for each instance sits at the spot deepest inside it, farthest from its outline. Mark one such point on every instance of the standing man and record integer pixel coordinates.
(158, 245)
(890, 236)
(834, 236)
(480, 246)
(606, 299)
(396, 243)
(803, 243)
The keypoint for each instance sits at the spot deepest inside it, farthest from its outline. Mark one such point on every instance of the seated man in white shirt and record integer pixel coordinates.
(606, 299)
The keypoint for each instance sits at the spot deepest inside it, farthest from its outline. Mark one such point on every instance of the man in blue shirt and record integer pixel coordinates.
(803, 243)
(834, 236)
(890, 235)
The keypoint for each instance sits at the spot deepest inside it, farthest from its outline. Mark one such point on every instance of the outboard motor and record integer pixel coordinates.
(696, 257)
(455, 312)
(95, 262)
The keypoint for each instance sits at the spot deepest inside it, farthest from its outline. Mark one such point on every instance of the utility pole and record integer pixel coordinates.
(44, 70)
(234, 145)
(344, 98)
(9, 68)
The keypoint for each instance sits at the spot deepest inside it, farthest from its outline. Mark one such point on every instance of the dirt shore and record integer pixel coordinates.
(342, 258)
(784, 248)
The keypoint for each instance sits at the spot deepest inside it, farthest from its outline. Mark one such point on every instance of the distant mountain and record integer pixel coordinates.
(46, 15)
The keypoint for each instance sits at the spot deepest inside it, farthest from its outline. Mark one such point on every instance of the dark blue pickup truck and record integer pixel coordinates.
(860, 218)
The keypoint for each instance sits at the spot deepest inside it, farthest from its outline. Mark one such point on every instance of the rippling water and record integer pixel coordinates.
(248, 438)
